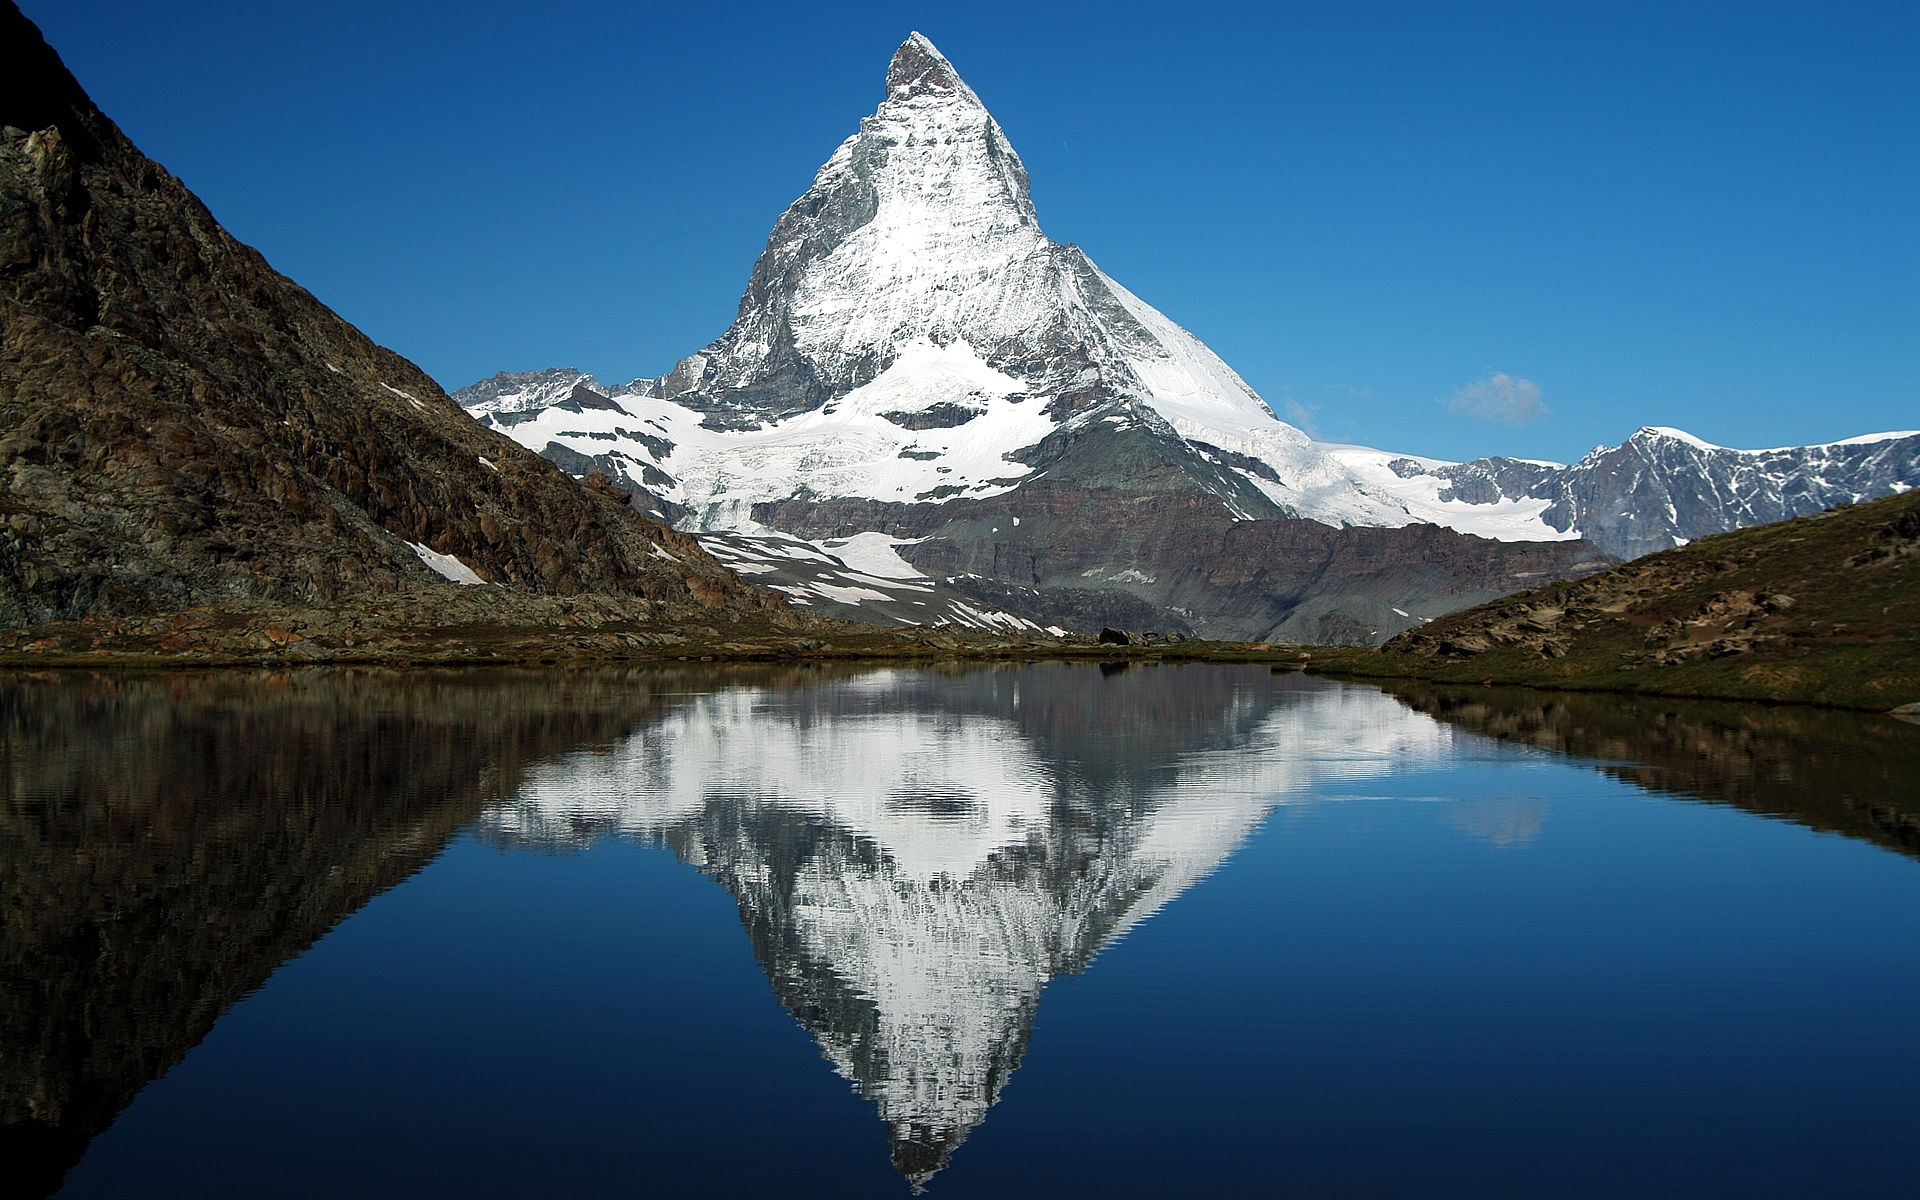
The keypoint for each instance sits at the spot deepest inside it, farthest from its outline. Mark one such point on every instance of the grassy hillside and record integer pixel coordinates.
(1822, 609)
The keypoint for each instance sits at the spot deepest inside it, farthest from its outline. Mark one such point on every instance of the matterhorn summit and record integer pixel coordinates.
(920, 232)
(911, 335)
(927, 410)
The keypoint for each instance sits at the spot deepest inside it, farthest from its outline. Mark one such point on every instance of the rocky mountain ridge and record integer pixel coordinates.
(1660, 488)
(1664, 487)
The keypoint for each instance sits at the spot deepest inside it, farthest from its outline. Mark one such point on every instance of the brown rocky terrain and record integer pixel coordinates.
(181, 426)
(1822, 609)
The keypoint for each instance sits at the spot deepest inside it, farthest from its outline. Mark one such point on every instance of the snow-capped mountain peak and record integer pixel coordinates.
(917, 234)
(1668, 433)
(914, 358)
(920, 227)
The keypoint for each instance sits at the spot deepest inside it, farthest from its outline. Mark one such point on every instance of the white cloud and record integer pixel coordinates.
(1299, 415)
(1500, 397)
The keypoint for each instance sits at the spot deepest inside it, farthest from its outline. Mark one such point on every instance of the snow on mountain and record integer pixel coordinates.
(910, 334)
(911, 344)
(1664, 487)
(861, 578)
(526, 391)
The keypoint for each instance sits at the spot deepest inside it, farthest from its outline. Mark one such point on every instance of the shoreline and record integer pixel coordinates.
(814, 640)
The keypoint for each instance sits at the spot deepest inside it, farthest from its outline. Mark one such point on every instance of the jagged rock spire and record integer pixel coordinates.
(919, 69)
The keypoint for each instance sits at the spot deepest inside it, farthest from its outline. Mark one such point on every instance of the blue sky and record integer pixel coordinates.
(1444, 229)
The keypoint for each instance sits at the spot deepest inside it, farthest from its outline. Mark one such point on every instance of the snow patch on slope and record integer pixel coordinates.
(445, 565)
(1419, 496)
(874, 554)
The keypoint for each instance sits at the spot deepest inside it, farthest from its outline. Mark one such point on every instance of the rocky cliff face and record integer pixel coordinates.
(1084, 558)
(180, 425)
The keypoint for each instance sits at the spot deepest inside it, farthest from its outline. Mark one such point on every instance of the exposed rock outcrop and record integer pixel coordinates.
(1083, 558)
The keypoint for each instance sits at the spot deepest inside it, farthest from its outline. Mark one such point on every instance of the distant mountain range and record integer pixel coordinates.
(1663, 488)
(916, 363)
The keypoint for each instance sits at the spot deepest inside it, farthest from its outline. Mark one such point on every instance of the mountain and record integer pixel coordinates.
(914, 357)
(1663, 487)
(1822, 609)
(182, 426)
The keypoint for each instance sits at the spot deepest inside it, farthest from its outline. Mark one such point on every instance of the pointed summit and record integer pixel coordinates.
(914, 271)
(919, 69)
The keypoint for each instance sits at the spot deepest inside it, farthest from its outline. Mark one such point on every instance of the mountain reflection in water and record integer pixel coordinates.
(914, 854)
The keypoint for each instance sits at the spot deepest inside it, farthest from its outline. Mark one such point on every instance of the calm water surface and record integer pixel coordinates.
(1042, 930)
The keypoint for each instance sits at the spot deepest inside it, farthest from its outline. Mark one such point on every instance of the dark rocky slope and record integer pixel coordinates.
(181, 426)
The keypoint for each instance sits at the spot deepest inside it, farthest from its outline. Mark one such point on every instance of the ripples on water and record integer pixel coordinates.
(1447, 943)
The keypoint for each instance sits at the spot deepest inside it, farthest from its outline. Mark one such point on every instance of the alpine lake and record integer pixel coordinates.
(1037, 930)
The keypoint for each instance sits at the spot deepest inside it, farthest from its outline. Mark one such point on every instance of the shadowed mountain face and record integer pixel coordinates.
(1082, 558)
(166, 843)
(181, 425)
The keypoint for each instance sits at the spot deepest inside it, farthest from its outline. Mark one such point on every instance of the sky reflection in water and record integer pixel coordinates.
(1408, 955)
